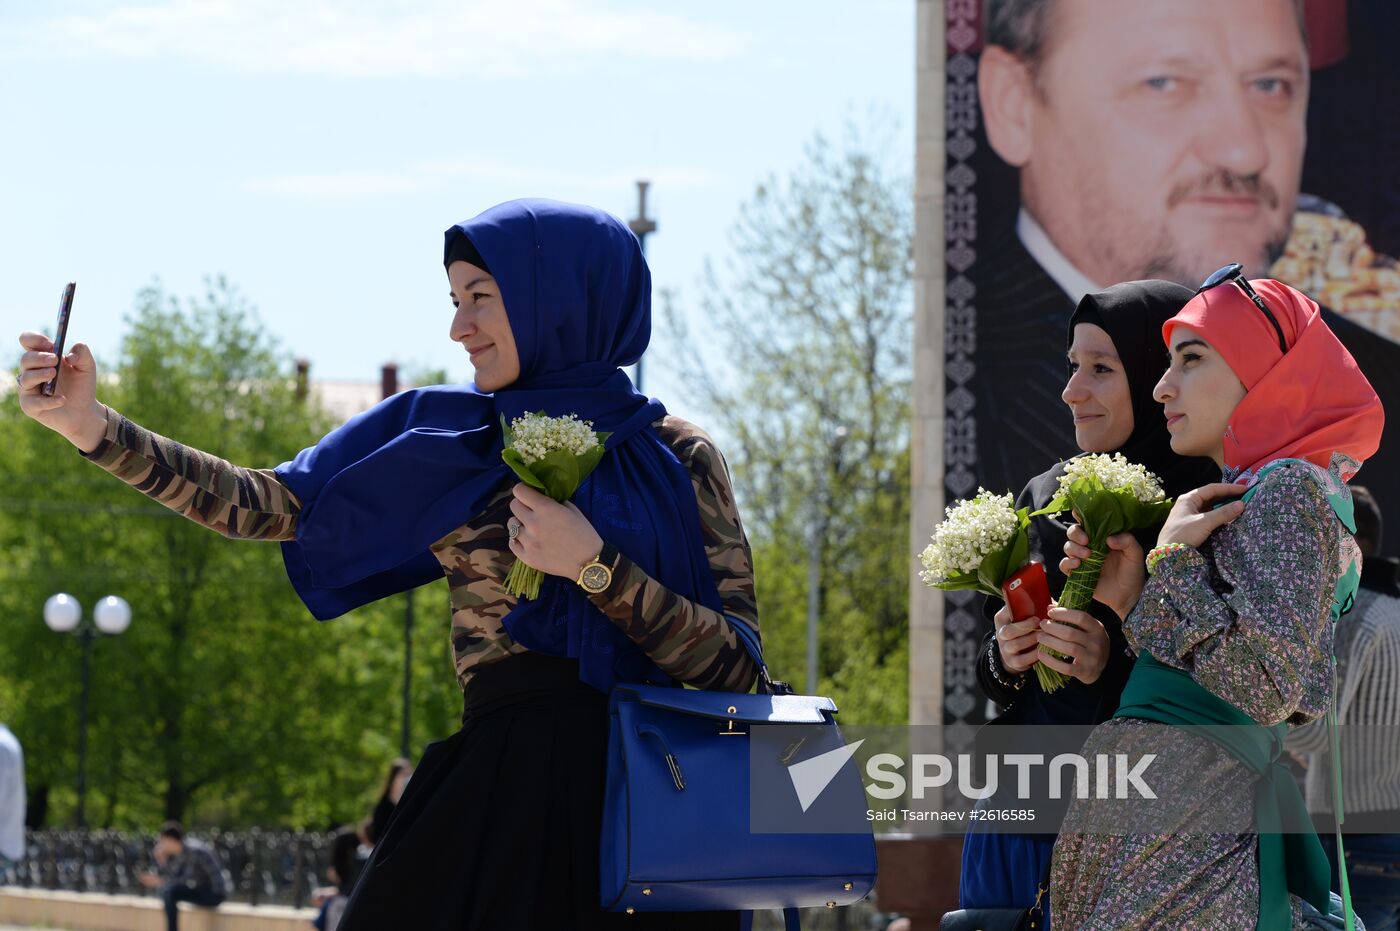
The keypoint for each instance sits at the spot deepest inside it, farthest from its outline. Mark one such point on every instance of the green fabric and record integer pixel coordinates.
(1343, 597)
(1287, 862)
(1343, 507)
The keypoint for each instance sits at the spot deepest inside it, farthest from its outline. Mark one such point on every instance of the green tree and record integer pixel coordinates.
(806, 376)
(224, 702)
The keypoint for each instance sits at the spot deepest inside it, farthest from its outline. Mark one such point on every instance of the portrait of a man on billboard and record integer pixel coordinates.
(1132, 139)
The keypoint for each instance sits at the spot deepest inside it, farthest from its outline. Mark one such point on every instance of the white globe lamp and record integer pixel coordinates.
(112, 614)
(62, 613)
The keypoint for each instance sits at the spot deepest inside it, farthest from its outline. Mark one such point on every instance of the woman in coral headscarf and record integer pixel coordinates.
(1233, 629)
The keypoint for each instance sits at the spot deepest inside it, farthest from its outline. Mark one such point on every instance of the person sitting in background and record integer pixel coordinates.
(189, 872)
(344, 868)
(1367, 646)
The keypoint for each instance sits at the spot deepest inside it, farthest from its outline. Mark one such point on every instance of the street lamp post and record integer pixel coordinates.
(641, 225)
(64, 615)
(821, 521)
(388, 387)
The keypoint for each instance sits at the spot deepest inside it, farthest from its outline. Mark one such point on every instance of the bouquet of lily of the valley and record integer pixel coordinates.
(554, 455)
(1108, 495)
(980, 543)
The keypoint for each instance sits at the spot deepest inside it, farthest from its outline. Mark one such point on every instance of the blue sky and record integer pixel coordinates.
(314, 151)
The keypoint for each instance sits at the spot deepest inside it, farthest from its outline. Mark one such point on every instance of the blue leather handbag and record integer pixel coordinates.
(677, 831)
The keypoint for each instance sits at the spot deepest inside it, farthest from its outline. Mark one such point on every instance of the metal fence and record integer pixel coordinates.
(260, 867)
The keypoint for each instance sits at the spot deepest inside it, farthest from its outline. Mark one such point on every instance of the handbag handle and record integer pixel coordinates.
(748, 639)
(673, 765)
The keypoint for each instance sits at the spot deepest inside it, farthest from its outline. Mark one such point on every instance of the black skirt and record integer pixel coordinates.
(498, 828)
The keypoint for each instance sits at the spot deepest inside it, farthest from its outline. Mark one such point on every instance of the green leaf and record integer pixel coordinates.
(967, 581)
(1058, 505)
(589, 461)
(1103, 515)
(993, 569)
(1001, 563)
(1145, 515)
(1020, 544)
(518, 465)
(1103, 512)
(560, 473)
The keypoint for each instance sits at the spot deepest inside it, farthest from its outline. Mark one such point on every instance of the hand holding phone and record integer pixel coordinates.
(65, 307)
(1027, 592)
(71, 409)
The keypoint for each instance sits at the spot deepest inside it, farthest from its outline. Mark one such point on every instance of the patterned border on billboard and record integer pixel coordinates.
(960, 627)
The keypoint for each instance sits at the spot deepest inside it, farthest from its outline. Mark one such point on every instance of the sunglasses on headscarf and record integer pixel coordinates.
(1234, 272)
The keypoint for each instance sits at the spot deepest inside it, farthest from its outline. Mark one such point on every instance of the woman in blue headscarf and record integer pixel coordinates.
(499, 826)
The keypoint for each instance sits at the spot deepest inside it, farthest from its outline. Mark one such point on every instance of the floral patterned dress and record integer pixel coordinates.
(1248, 616)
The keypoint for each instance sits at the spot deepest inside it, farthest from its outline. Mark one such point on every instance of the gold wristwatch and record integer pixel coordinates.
(597, 574)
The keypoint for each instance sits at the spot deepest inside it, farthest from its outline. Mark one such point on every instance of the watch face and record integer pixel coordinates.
(596, 578)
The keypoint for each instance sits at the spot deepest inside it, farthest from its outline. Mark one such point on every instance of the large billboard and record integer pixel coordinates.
(1097, 141)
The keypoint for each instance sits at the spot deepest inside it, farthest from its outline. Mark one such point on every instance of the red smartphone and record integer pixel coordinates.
(1028, 592)
(65, 307)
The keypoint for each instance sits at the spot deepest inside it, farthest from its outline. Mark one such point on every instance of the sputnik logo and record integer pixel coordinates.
(811, 777)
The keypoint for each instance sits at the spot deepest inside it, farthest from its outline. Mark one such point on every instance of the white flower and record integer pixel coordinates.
(1117, 474)
(971, 530)
(536, 435)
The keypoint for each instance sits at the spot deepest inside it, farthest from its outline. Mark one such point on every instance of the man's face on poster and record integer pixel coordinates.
(1157, 139)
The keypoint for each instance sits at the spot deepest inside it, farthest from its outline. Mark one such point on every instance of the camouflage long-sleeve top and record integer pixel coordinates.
(691, 642)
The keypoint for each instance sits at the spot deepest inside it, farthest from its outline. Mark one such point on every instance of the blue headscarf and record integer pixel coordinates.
(379, 490)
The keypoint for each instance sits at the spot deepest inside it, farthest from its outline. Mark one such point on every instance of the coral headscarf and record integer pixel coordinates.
(1306, 403)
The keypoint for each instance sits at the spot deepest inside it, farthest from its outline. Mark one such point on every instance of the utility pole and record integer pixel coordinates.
(388, 387)
(641, 225)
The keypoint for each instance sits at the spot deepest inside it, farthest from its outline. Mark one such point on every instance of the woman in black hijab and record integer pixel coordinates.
(1116, 356)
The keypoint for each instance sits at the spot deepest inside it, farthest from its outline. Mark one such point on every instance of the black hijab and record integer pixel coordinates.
(1132, 314)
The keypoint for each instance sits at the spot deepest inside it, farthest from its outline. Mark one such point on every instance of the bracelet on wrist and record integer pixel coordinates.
(1000, 674)
(1161, 552)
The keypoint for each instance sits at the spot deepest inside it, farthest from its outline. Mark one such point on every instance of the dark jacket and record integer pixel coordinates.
(1075, 703)
(196, 867)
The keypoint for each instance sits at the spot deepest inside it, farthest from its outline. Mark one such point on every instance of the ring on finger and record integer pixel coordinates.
(513, 527)
(19, 379)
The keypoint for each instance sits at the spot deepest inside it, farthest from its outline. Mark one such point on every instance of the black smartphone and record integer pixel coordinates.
(65, 307)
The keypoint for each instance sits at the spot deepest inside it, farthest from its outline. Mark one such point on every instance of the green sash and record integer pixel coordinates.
(1288, 863)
